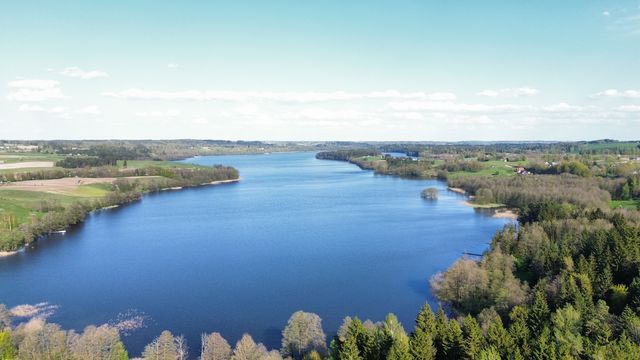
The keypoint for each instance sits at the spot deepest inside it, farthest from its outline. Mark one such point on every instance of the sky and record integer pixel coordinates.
(396, 70)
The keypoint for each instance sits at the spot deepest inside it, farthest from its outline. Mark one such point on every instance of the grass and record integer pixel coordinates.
(626, 204)
(492, 168)
(159, 163)
(24, 170)
(486, 206)
(92, 191)
(8, 157)
(22, 204)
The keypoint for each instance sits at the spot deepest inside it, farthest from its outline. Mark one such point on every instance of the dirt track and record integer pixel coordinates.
(27, 164)
(54, 184)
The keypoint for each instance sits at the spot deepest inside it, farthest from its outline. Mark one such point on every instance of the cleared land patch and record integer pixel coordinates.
(26, 165)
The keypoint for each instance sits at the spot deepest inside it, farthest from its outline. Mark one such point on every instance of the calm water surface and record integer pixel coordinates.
(295, 233)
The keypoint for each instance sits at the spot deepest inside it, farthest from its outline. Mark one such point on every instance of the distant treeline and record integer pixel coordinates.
(110, 151)
(191, 175)
(346, 155)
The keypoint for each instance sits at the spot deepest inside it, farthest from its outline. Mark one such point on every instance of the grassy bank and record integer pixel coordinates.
(50, 200)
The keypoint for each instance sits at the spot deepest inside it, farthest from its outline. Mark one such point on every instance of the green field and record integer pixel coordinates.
(492, 168)
(28, 156)
(626, 204)
(612, 146)
(22, 204)
(148, 163)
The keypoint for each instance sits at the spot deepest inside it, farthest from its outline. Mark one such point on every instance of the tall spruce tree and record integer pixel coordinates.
(421, 344)
(472, 338)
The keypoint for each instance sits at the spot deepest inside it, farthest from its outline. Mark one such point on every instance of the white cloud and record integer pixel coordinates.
(564, 107)
(89, 110)
(450, 106)
(34, 90)
(76, 72)
(166, 113)
(615, 93)
(33, 84)
(174, 66)
(510, 92)
(625, 22)
(38, 108)
(606, 13)
(200, 121)
(59, 110)
(629, 108)
(299, 97)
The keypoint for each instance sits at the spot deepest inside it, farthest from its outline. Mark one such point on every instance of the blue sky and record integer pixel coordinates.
(320, 70)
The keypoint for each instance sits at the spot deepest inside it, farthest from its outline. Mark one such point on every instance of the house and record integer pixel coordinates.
(520, 170)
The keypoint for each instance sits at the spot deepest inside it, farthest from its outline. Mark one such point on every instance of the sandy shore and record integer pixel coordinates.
(7, 253)
(457, 190)
(223, 182)
(506, 214)
(499, 213)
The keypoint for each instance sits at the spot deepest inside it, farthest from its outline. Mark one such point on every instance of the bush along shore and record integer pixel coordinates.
(125, 189)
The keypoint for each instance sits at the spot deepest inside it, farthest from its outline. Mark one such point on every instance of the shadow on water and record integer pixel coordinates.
(419, 286)
(52, 240)
(272, 337)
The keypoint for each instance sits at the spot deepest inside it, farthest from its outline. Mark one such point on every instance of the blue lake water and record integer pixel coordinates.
(295, 233)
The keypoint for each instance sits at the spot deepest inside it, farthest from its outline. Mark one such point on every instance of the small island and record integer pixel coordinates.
(430, 193)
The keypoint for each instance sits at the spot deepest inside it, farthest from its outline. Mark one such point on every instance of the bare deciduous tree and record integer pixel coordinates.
(302, 335)
(215, 347)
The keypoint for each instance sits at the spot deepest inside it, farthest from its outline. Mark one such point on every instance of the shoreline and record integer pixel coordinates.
(457, 190)
(499, 212)
(37, 237)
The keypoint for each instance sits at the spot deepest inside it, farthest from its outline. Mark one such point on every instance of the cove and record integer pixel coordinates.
(296, 233)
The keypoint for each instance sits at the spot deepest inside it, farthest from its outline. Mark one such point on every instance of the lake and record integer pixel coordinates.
(296, 233)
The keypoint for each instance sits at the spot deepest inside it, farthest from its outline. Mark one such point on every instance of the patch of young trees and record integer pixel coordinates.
(518, 191)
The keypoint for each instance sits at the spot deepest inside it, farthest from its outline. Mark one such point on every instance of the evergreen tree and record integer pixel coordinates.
(597, 326)
(426, 321)
(421, 342)
(441, 329)
(544, 347)
(399, 349)
(473, 338)
(349, 350)
(539, 315)
(452, 341)
(519, 331)
(566, 331)
(489, 353)
(500, 339)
